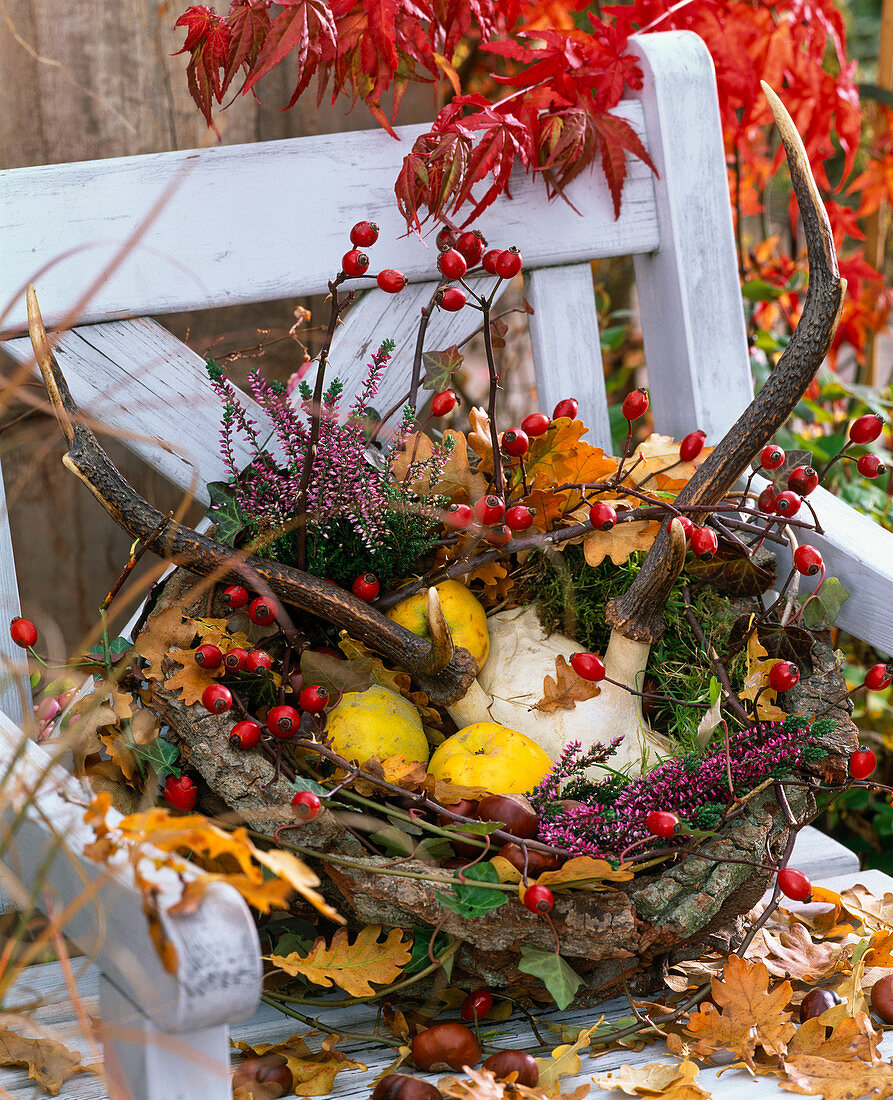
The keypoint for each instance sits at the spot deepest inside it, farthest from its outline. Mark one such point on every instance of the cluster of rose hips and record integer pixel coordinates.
(457, 254)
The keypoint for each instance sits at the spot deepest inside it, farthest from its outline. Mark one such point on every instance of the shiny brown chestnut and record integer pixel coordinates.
(400, 1086)
(270, 1070)
(882, 998)
(818, 1001)
(513, 810)
(506, 1062)
(445, 1046)
(466, 807)
(537, 862)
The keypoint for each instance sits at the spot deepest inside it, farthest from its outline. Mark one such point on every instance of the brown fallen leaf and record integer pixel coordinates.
(669, 1082)
(659, 453)
(793, 953)
(457, 479)
(617, 544)
(582, 872)
(481, 1084)
(191, 679)
(479, 438)
(565, 1060)
(49, 1062)
(811, 1075)
(566, 690)
(313, 1073)
(874, 913)
(756, 681)
(852, 1039)
(163, 632)
(750, 1014)
(351, 966)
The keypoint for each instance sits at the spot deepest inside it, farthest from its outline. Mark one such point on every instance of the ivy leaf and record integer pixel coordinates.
(159, 755)
(558, 976)
(225, 513)
(420, 956)
(440, 366)
(474, 901)
(823, 607)
(117, 648)
(732, 572)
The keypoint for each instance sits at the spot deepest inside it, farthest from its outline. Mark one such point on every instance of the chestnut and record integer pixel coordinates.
(513, 810)
(537, 862)
(505, 1062)
(818, 1001)
(400, 1086)
(271, 1071)
(466, 807)
(882, 998)
(445, 1046)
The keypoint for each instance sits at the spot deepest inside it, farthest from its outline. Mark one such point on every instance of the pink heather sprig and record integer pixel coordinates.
(603, 818)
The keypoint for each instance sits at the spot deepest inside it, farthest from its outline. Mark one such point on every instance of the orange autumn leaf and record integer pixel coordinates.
(164, 631)
(48, 1061)
(565, 690)
(496, 580)
(191, 680)
(313, 1073)
(657, 1080)
(852, 1039)
(583, 872)
(351, 966)
(660, 467)
(811, 1075)
(756, 681)
(622, 540)
(457, 479)
(479, 438)
(750, 1014)
(559, 456)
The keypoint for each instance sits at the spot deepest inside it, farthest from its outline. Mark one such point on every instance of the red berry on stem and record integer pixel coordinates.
(602, 516)
(235, 660)
(862, 762)
(661, 823)
(536, 424)
(866, 428)
(235, 596)
(444, 238)
(444, 402)
(870, 466)
(771, 456)
(808, 561)
(263, 610)
(787, 504)
(766, 500)
(500, 535)
(451, 298)
(354, 263)
(635, 404)
(314, 699)
(23, 632)
(458, 516)
(519, 517)
(489, 510)
(245, 735)
(306, 805)
(366, 587)
(471, 244)
(451, 264)
(515, 442)
(692, 445)
(704, 543)
(568, 407)
(783, 676)
(390, 281)
(588, 665)
(538, 899)
(476, 1005)
(803, 479)
(208, 656)
(180, 793)
(509, 263)
(794, 884)
(283, 722)
(258, 659)
(488, 261)
(217, 698)
(878, 677)
(364, 234)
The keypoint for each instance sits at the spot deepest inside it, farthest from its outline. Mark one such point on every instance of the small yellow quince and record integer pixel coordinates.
(486, 754)
(463, 611)
(376, 722)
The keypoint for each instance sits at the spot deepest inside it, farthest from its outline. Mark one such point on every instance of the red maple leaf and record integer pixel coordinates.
(304, 28)
(249, 22)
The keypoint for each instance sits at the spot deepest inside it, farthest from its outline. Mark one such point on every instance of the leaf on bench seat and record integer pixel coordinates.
(48, 1062)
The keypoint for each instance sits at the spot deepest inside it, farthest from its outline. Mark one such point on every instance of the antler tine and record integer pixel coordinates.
(444, 675)
(776, 400)
(442, 647)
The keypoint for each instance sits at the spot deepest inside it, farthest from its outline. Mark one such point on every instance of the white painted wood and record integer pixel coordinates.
(566, 346)
(819, 856)
(45, 985)
(245, 223)
(15, 691)
(689, 297)
(218, 972)
(150, 1064)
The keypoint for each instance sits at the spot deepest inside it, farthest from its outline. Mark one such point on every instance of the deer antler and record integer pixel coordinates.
(638, 612)
(443, 672)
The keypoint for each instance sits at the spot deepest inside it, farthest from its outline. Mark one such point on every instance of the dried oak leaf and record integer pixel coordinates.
(479, 438)
(875, 914)
(853, 1038)
(566, 689)
(560, 456)
(670, 1082)
(565, 1060)
(48, 1062)
(164, 631)
(313, 1073)
(191, 680)
(83, 733)
(660, 466)
(481, 1084)
(495, 578)
(750, 1014)
(351, 966)
(811, 1075)
(792, 953)
(622, 540)
(756, 681)
(583, 872)
(457, 479)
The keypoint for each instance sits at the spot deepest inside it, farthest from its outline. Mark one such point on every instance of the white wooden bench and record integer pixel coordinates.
(109, 242)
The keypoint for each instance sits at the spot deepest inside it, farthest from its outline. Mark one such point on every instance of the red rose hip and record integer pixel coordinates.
(23, 632)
